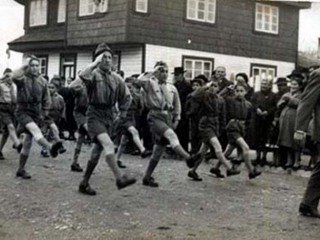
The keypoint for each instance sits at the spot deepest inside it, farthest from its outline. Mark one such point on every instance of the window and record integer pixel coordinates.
(260, 71)
(195, 66)
(201, 10)
(62, 8)
(90, 7)
(142, 6)
(267, 18)
(68, 65)
(43, 64)
(38, 13)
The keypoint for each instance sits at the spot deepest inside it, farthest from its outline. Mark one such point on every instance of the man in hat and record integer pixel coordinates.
(309, 105)
(105, 89)
(33, 102)
(8, 97)
(184, 89)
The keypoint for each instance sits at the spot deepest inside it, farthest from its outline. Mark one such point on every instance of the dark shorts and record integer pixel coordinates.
(159, 123)
(235, 130)
(208, 128)
(6, 113)
(99, 121)
(81, 120)
(27, 116)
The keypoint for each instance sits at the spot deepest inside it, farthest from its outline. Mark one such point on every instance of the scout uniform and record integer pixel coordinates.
(105, 89)
(237, 111)
(7, 103)
(164, 104)
(33, 98)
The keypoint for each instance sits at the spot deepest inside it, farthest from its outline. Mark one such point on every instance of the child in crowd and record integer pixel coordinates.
(128, 125)
(209, 125)
(237, 109)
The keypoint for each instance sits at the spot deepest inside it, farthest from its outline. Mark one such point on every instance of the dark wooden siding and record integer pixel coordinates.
(233, 32)
(52, 31)
(109, 27)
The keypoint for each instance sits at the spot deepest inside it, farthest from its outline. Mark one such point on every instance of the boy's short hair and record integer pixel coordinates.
(33, 58)
(240, 84)
(129, 80)
(161, 64)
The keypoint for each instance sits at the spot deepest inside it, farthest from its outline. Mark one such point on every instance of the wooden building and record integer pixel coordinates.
(256, 37)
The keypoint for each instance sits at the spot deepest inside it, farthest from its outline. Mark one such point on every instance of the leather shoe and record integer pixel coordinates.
(307, 211)
(217, 172)
(23, 174)
(150, 182)
(120, 164)
(86, 189)
(125, 181)
(254, 174)
(55, 149)
(146, 154)
(76, 168)
(194, 175)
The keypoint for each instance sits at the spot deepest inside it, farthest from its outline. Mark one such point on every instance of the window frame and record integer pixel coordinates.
(141, 11)
(260, 66)
(263, 31)
(197, 58)
(94, 14)
(45, 12)
(59, 21)
(62, 64)
(196, 19)
(41, 57)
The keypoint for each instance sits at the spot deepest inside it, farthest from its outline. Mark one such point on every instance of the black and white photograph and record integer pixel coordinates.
(159, 119)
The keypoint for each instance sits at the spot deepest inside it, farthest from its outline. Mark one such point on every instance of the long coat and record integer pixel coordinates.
(310, 102)
(288, 118)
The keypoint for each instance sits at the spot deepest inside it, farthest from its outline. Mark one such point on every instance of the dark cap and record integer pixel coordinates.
(281, 81)
(198, 80)
(7, 70)
(202, 77)
(178, 71)
(295, 74)
(102, 47)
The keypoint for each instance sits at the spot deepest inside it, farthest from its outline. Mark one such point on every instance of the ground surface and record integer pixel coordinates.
(49, 207)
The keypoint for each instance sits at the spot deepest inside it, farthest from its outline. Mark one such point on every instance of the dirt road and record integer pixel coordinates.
(49, 207)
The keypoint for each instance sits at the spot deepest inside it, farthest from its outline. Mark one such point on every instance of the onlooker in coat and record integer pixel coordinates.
(184, 89)
(289, 104)
(280, 155)
(309, 103)
(264, 104)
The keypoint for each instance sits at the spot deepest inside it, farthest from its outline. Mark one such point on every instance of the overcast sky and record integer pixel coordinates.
(11, 27)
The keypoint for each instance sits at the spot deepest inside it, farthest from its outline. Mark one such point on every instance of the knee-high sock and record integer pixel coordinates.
(22, 161)
(4, 139)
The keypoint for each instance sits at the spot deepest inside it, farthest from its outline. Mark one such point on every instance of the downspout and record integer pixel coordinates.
(66, 26)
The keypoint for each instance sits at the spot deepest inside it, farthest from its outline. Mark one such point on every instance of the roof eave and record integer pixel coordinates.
(23, 2)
